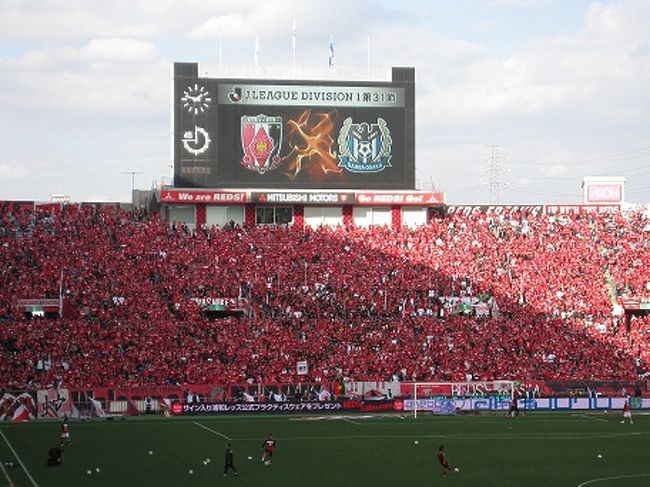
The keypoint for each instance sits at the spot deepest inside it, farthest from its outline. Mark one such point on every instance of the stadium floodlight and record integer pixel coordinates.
(450, 397)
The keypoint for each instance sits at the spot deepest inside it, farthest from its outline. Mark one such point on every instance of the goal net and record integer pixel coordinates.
(454, 397)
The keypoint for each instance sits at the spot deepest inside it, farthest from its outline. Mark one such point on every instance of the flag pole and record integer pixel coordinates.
(293, 44)
(256, 54)
(368, 55)
(219, 48)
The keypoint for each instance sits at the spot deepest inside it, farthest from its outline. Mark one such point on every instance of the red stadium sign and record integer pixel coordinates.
(303, 197)
(205, 196)
(402, 199)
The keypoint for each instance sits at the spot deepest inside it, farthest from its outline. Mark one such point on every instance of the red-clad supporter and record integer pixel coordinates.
(357, 303)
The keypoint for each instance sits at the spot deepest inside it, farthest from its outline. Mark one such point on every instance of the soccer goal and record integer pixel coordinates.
(450, 397)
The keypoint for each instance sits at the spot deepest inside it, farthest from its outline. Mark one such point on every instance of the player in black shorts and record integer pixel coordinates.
(230, 461)
(446, 469)
(514, 408)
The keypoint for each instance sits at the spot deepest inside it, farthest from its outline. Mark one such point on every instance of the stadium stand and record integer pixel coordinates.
(511, 296)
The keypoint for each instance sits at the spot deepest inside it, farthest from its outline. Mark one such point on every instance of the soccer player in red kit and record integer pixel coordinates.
(267, 450)
(65, 431)
(446, 469)
(627, 411)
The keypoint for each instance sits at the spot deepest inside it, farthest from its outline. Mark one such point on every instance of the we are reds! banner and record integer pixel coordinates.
(180, 196)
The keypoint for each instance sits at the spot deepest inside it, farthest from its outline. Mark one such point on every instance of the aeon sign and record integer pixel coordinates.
(604, 193)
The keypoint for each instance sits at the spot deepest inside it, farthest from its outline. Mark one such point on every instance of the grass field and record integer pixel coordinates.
(541, 449)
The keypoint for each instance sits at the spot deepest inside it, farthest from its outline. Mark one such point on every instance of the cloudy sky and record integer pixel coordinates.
(560, 87)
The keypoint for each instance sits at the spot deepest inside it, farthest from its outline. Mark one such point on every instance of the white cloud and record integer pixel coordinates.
(270, 19)
(94, 82)
(579, 73)
(556, 170)
(8, 171)
(67, 20)
(98, 198)
(233, 25)
(114, 75)
(119, 50)
(517, 3)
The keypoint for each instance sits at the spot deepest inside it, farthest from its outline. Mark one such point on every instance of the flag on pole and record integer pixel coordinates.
(256, 55)
(330, 59)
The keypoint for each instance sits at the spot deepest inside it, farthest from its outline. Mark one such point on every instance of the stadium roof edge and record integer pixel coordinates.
(301, 73)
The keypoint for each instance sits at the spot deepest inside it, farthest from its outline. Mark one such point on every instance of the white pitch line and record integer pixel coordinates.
(604, 479)
(586, 416)
(348, 420)
(471, 437)
(29, 476)
(212, 431)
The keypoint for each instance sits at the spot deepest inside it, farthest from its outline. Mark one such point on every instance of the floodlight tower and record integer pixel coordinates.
(495, 168)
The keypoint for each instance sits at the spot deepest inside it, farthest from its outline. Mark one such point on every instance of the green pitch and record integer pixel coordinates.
(541, 449)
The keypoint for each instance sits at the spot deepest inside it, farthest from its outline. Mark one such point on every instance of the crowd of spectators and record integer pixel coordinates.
(488, 296)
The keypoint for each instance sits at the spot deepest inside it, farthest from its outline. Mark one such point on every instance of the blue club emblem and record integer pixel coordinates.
(364, 147)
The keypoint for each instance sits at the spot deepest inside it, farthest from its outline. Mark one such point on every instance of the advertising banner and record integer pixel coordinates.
(532, 210)
(401, 199)
(256, 407)
(580, 209)
(220, 304)
(307, 198)
(604, 193)
(284, 407)
(47, 305)
(450, 405)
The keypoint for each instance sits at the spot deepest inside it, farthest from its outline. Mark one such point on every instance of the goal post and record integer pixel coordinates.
(449, 397)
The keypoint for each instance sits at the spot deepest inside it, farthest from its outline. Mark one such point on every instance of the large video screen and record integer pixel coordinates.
(286, 134)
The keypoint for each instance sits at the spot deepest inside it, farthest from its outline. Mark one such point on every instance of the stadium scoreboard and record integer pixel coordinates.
(293, 134)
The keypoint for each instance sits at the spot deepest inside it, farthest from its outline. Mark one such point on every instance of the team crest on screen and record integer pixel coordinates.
(365, 147)
(261, 138)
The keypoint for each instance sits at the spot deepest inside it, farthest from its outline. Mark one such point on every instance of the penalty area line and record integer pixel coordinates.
(605, 479)
(29, 475)
(212, 431)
